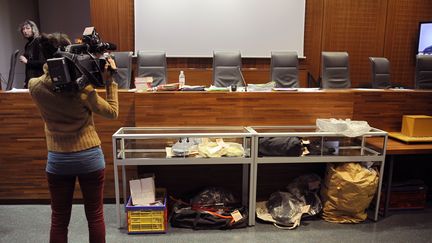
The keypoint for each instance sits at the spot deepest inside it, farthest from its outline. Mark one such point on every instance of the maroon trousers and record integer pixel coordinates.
(61, 189)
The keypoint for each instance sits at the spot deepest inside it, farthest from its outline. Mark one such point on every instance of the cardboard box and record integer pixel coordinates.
(417, 125)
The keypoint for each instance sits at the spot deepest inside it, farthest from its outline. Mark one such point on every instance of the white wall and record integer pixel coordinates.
(188, 28)
(13, 13)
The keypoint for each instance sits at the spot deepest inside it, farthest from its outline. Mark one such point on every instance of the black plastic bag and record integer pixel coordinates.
(185, 217)
(279, 146)
(212, 208)
(300, 200)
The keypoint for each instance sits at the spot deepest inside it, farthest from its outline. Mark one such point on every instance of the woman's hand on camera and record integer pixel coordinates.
(109, 70)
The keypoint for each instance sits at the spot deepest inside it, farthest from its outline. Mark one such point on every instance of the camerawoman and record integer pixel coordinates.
(66, 98)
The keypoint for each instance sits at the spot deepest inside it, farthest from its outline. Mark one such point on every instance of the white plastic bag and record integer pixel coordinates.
(219, 148)
(345, 127)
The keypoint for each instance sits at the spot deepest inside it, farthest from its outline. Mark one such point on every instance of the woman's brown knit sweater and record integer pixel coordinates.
(68, 118)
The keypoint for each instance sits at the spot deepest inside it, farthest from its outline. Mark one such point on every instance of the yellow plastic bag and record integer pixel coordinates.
(347, 191)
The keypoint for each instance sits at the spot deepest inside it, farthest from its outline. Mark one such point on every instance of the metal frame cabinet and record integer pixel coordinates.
(146, 146)
(355, 149)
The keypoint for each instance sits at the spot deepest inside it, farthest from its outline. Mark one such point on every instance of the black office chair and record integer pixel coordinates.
(380, 72)
(284, 69)
(423, 72)
(227, 69)
(123, 61)
(153, 64)
(335, 73)
(11, 76)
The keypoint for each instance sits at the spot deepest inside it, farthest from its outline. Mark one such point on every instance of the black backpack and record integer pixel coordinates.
(212, 208)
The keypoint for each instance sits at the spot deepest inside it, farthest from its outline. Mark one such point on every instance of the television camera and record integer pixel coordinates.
(80, 64)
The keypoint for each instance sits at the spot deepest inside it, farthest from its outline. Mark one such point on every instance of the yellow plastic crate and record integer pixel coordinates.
(147, 219)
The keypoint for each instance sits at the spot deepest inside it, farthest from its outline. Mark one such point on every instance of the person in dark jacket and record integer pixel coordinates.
(32, 57)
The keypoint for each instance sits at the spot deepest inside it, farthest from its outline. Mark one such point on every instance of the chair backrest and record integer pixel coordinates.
(380, 72)
(335, 72)
(284, 69)
(11, 76)
(423, 72)
(123, 61)
(227, 68)
(3, 82)
(153, 64)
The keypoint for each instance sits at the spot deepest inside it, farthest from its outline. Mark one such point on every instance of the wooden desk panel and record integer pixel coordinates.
(22, 139)
(396, 147)
(23, 149)
(225, 108)
(384, 109)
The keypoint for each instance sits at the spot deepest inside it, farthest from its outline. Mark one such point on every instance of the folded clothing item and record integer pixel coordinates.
(168, 87)
(214, 88)
(193, 88)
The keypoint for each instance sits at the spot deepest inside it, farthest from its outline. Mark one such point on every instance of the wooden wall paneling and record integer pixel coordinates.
(313, 37)
(401, 36)
(105, 18)
(194, 76)
(126, 25)
(192, 62)
(358, 28)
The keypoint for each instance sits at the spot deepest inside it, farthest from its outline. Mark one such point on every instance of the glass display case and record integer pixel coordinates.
(182, 146)
(319, 147)
(239, 146)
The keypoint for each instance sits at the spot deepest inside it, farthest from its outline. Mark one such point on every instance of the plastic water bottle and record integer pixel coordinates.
(182, 79)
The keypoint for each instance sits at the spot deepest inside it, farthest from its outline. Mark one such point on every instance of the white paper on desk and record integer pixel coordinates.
(15, 90)
(394, 89)
(285, 89)
(368, 89)
(309, 89)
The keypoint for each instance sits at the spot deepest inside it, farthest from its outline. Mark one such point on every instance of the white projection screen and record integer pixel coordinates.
(194, 28)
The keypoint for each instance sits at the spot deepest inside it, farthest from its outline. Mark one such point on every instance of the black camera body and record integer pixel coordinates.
(78, 66)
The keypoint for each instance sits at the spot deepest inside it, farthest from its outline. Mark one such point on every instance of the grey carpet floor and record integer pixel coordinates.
(30, 223)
